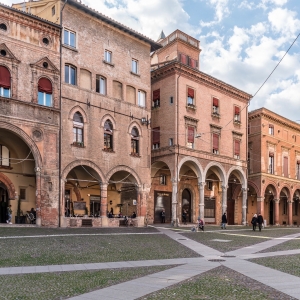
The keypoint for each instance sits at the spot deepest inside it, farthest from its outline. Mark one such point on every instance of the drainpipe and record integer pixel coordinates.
(60, 121)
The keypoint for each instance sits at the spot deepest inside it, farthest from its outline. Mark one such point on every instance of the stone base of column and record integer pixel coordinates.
(104, 221)
(38, 221)
(140, 222)
(63, 222)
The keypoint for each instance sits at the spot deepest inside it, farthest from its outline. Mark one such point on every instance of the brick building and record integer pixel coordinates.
(29, 115)
(199, 138)
(274, 167)
(106, 107)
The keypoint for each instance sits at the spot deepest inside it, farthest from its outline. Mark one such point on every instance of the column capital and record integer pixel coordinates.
(260, 199)
(201, 185)
(37, 169)
(224, 187)
(276, 200)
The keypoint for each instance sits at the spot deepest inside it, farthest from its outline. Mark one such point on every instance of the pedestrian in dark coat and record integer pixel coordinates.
(254, 221)
(224, 221)
(260, 221)
(184, 215)
(163, 216)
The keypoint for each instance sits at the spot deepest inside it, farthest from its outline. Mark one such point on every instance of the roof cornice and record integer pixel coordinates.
(174, 67)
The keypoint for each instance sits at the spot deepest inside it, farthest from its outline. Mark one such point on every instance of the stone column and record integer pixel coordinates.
(224, 199)
(201, 199)
(143, 195)
(290, 211)
(276, 211)
(103, 205)
(38, 197)
(260, 205)
(244, 206)
(174, 202)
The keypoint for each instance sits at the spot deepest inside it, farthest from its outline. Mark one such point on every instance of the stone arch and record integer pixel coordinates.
(220, 169)
(160, 161)
(135, 124)
(82, 162)
(286, 187)
(110, 118)
(76, 191)
(255, 187)
(195, 166)
(274, 185)
(81, 110)
(242, 174)
(9, 185)
(123, 168)
(30, 143)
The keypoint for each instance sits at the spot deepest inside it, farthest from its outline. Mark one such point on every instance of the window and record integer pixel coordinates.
(171, 142)
(209, 207)
(271, 129)
(215, 142)
(237, 144)
(45, 92)
(156, 98)
(22, 194)
(156, 137)
(285, 166)
(298, 169)
(141, 99)
(108, 136)
(100, 85)
(237, 114)
(69, 38)
(108, 56)
(215, 107)
(190, 137)
(134, 141)
(78, 129)
(171, 100)
(53, 10)
(4, 155)
(190, 97)
(271, 162)
(4, 82)
(209, 185)
(3, 27)
(162, 179)
(70, 74)
(130, 94)
(134, 66)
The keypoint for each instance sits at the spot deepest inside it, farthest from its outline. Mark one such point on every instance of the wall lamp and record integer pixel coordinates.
(145, 121)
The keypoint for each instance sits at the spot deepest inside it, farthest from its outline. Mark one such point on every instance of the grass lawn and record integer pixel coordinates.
(48, 286)
(288, 245)
(237, 238)
(288, 264)
(219, 284)
(72, 249)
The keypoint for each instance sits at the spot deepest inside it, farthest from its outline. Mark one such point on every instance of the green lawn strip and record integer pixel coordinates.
(62, 285)
(33, 231)
(89, 249)
(237, 239)
(219, 283)
(288, 264)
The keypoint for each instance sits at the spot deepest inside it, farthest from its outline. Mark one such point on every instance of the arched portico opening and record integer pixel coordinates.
(251, 202)
(284, 206)
(296, 207)
(186, 205)
(271, 203)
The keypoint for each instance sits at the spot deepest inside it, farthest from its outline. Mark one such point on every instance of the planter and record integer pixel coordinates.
(20, 220)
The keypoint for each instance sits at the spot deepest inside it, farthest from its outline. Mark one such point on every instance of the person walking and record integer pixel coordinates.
(260, 221)
(201, 224)
(254, 221)
(163, 216)
(224, 221)
(184, 217)
(9, 212)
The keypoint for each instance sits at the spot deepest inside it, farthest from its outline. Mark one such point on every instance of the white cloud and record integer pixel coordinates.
(247, 4)
(221, 10)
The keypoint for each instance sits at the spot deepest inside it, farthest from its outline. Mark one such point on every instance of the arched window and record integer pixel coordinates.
(4, 82)
(45, 92)
(108, 136)
(78, 129)
(134, 141)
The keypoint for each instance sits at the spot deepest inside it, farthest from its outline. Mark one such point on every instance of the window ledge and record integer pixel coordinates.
(78, 145)
(155, 107)
(6, 167)
(108, 63)
(216, 115)
(70, 48)
(236, 122)
(191, 106)
(135, 74)
(108, 150)
(135, 154)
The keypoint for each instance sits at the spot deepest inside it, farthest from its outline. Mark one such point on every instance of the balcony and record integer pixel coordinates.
(180, 36)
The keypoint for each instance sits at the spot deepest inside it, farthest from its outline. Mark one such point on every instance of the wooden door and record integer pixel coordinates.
(230, 212)
(162, 200)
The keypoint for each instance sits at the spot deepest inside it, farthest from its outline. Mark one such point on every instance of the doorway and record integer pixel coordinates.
(187, 204)
(3, 204)
(271, 213)
(230, 212)
(162, 201)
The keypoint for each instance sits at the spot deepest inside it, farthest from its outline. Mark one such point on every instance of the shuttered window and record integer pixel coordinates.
(4, 82)
(156, 137)
(285, 166)
(215, 143)
(237, 117)
(237, 149)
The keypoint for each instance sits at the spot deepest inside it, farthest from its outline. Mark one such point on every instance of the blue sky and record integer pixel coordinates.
(241, 41)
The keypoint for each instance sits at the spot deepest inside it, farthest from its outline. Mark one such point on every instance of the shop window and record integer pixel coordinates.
(45, 92)
(108, 136)
(4, 82)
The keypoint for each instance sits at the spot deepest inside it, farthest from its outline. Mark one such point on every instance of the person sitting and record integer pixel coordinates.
(133, 215)
(33, 212)
(201, 224)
